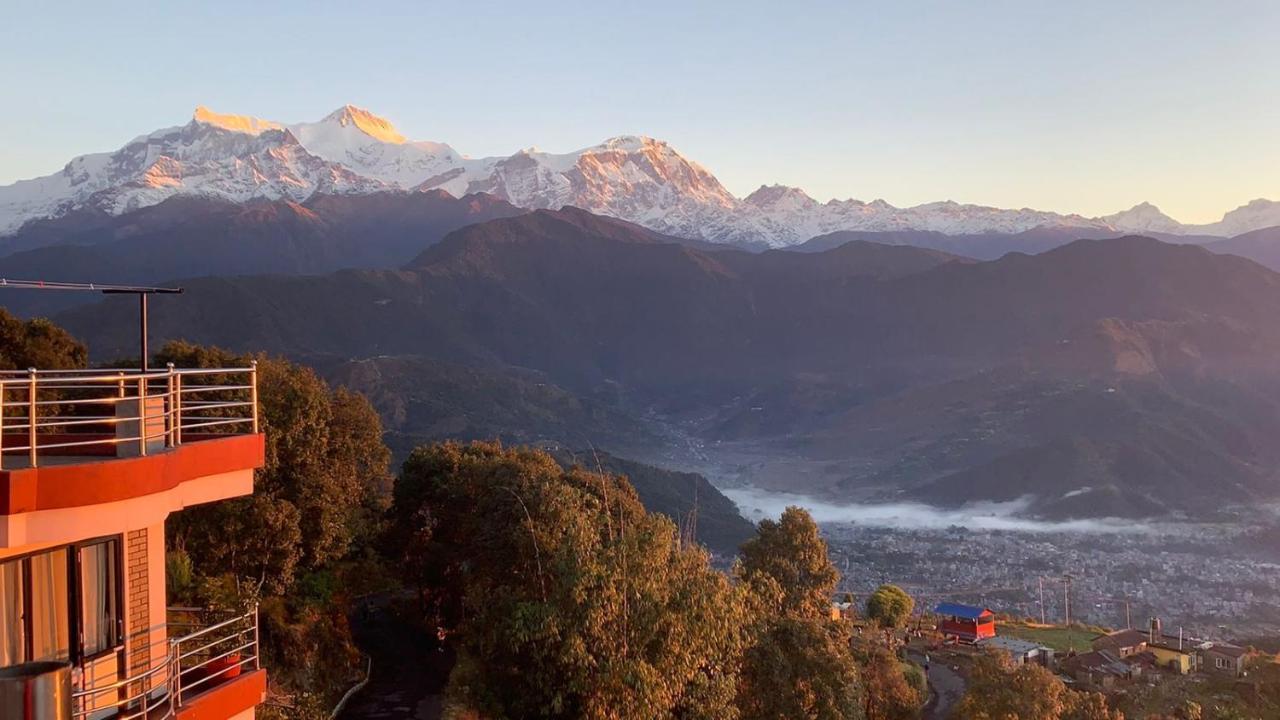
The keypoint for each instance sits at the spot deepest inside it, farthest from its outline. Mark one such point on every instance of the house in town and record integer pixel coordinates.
(1223, 659)
(1174, 653)
(1101, 669)
(1122, 643)
(1020, 652)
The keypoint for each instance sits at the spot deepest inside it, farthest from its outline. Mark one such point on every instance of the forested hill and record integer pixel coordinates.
(899, 367)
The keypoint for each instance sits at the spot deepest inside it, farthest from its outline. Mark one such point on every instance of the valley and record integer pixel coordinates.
(1103, 378)
(640, 361)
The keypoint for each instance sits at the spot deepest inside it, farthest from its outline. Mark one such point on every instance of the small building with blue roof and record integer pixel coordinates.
(965, 623)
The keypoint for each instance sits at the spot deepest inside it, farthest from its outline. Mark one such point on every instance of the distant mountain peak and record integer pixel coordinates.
(1143, 217)
(630, 143)
(768, 197)
(235, 123)
(375, 127)
(636, 178)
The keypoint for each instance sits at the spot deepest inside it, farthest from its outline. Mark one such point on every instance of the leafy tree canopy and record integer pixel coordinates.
(38, 343)
(890, 606)
(324, 481)
(792, 552)
(567, 598)
(998, 690)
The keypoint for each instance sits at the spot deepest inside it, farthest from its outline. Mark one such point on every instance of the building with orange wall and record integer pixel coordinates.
(92, 462)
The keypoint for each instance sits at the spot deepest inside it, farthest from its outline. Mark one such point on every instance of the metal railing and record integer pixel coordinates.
(51, 413)
(214, 653)
(206, 656)
(145, 695)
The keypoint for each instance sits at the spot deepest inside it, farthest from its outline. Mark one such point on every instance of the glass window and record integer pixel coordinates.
(13, 637)
(99, 596)
(49, 622)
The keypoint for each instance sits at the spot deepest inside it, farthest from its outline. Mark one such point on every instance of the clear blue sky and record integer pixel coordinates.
(1070, 106)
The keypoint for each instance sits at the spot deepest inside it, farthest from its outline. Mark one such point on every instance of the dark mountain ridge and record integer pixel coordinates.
(901, 365)
(1261, 246)
(190, 237)
(987, 246)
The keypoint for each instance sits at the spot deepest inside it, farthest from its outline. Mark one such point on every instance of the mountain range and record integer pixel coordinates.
(643, 180)
(620, 298)
(1125, 376)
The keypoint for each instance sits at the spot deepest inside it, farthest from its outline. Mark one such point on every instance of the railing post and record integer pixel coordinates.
(2, 389)
(177, 409)
(31, 414)
(257, 647)
(253, 396)
(170, 417)
(175, 657)
(142, 415)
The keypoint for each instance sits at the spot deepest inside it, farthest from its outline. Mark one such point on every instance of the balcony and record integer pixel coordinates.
(210, 670)
(164, 439)
(58, 416)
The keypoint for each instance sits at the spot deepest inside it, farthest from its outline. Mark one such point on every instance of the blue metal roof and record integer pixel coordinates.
(967, 612)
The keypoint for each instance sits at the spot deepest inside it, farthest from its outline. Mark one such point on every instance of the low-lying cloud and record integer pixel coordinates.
(756, 504)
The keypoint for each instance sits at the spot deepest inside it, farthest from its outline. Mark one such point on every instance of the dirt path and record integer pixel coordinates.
(945, 686)
(409, 672)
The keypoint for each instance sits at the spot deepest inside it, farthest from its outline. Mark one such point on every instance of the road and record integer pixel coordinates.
(946, 686)
(409, 672)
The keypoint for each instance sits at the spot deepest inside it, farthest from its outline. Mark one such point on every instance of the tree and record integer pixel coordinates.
(38, 343)
(800, 668)
(799, 663)
(566, 598)
(889, 695)
(999, 691)
(793, 553)
(324, 478)
(890, 606)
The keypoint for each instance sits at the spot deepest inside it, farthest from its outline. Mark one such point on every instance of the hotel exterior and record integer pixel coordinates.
(92, 462)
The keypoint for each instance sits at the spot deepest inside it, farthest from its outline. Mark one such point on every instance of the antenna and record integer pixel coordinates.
(142, 291)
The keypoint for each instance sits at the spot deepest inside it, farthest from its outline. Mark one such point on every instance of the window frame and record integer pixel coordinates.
(75, 604)
(28, 597)
(116, 623)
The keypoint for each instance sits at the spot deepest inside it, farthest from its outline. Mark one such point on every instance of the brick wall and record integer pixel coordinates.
(138, 601)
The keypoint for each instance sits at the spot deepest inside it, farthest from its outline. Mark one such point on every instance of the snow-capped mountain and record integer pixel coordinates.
(1257, 214)
(639, 179)
(220, 156)
(1146, 217)
(365, 143)
(1143, 217)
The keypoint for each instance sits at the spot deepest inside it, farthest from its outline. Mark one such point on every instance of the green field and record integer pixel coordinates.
(1059, 638)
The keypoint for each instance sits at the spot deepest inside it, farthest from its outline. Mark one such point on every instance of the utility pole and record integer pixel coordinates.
(1042, 618)
(1066, 593)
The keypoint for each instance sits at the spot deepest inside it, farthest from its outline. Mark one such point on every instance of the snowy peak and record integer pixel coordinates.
(633, 177)
(366, 122)
(226, 157)
(1257, 214)
(1143, 217)
(369, 145)
(780, 197)
(234, 123)
(628, 143)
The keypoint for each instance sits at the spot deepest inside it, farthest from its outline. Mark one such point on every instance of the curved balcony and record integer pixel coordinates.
(165, 439)
(56, 416)
(211, 670)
